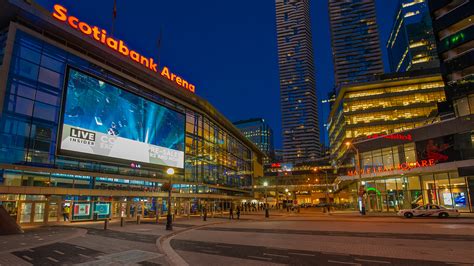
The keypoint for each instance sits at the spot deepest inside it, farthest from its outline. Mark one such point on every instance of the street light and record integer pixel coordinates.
(267, 214)
(359, 171)
(327, 189)
(287, 194)
(169, 218)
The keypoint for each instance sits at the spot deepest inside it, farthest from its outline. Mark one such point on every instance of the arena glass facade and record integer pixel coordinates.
(39, 184)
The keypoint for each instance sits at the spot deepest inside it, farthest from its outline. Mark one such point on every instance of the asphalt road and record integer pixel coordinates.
(289, 256)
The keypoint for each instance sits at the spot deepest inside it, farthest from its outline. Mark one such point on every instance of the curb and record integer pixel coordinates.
(163, 245)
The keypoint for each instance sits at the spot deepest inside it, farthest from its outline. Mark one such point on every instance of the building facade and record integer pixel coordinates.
(299, 105)
(86, 130)
(355, 41)
(432, 164)
(453, 23)
(392, 104)
(260, 134)
(412, 44)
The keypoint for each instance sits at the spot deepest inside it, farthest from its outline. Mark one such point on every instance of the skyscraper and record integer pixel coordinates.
(297, 81)
(260, 133)
(453, 24)
(412, 43)
(355, 41)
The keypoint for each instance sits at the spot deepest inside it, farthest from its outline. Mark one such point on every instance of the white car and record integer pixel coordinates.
(429, 210)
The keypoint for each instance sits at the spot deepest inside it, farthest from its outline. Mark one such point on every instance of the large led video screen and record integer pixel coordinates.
(100, 119)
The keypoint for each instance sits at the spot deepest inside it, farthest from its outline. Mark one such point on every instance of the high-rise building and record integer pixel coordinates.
(453, 24)
(394, 103)
(355, 41)
(260, 133)
(411, 44)
(297, 81)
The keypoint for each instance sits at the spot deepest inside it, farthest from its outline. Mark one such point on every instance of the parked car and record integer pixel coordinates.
(430, 210)
(306, 205)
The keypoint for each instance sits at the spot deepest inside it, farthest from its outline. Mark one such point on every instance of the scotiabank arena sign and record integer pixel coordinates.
(385, 169)
(100, 35)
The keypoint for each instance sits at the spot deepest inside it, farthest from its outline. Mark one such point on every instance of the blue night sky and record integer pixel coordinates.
(226, 48)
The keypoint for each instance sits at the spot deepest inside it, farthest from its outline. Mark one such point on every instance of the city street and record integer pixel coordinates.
(307, 238)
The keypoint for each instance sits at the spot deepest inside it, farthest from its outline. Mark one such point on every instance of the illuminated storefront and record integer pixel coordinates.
(88, 131)
(436, 165)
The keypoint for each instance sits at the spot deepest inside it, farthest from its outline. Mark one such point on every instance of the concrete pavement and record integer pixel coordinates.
(307, 238)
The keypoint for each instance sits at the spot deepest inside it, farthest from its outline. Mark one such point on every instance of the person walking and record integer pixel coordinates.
(238, 213)
(66, 211)
(231, 213)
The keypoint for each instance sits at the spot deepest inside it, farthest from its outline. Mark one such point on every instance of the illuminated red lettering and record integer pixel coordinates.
(73, 21)
(165, 73)
(144, 61)
(96, 33)
(60, 13)
(123, 49)
(112, 43)
(100, 35)
(85, 28)
(153, 66)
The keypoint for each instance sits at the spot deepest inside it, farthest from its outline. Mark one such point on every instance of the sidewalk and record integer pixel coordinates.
(388, 214)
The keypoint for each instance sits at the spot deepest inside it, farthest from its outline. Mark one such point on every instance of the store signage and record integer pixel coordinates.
(384, 169)
(393, 136)
(276, 165)
(100, 35)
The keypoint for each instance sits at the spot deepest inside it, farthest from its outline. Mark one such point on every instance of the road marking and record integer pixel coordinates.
(52, 259)
(259, 258)
(374, 261)
(26, 257)
(210, 251)
(335, 253)
(59, 252)
(343, 262)
(222, 246)
(80, 248)
(84, 255)
(275, 255)
(302, 254)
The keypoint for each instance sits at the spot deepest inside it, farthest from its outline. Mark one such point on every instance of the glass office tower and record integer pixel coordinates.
(298, 99)
(412, 43)
(260, 133)
(453, 23)
(355, 41)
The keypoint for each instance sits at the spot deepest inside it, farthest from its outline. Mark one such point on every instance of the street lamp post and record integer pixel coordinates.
(287, 194)
(169, 218)
(359, 171)
(327, 191)
(267, 214)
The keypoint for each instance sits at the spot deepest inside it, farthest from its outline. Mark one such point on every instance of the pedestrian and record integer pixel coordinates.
(231, 213)
(66, 211)
(238, 213)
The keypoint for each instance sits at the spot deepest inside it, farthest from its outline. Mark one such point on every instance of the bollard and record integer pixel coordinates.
(122, 220)
(106, 223)
(138, 219)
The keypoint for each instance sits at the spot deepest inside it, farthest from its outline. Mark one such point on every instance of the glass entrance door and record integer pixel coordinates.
(26, 208)
(32, 212)
(39, 212)
(53, 210)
